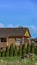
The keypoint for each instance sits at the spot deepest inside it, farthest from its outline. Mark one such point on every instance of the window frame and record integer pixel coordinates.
(18, 40)
(3, 40)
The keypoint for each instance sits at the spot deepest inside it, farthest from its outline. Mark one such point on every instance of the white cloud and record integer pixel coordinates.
(33, 28)
(1, 25)
(10, 25)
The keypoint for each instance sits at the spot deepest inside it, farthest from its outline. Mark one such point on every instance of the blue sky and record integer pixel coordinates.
(14, 13)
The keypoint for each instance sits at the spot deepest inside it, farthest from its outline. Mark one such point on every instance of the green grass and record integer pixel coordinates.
(18, 61)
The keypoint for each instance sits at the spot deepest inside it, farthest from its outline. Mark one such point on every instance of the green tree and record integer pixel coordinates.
(28, 48)
(16, 51)
(7, 51)
(35, 49)
(20, 50)
(0, 52)
(3, 53)
(20, 27)
(32, 48)
(11, 50)
(23, 49)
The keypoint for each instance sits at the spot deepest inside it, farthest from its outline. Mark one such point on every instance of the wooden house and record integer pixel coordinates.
(14, 36)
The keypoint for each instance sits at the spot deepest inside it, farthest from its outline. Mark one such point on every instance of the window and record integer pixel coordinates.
(3, 39)
(1, 48)
(18, 40)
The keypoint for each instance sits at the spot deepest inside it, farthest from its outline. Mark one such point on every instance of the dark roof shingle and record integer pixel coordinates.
(5, 32)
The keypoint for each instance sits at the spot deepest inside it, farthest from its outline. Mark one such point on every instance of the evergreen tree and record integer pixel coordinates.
(0, 52)
(7, 51)
(28, 48)
(35, 50)
(32, 48)
(16, 51)
(19, 53)
(11, 50)
(23, 49)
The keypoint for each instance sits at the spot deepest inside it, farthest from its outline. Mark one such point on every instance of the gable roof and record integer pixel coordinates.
(6, 32)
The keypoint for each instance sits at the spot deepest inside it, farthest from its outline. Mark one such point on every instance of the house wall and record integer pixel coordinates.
(22, 40)
(13, 41)
(7, 43)
(10, 41)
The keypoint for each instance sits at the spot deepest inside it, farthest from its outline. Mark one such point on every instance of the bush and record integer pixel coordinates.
(23, 50)
(28, 48)
(0, 52)
(32, 48)
(3, 53)
(35, 50)
(16, 51)
(19, 51)
(11, 50)
(7, 52)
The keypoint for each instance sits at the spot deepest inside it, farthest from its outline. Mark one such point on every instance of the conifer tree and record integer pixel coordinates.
(28, 48)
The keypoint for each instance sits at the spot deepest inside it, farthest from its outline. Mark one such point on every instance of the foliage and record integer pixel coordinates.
(35, 50)
(0, 52)
(28, 48)
(18, 51)
(7, 51)
(20, 26)
(32, 48)
(23, 49)
(11, 50)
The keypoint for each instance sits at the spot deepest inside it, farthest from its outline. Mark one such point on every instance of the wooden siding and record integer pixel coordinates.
(11, 41)
(3, 44)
